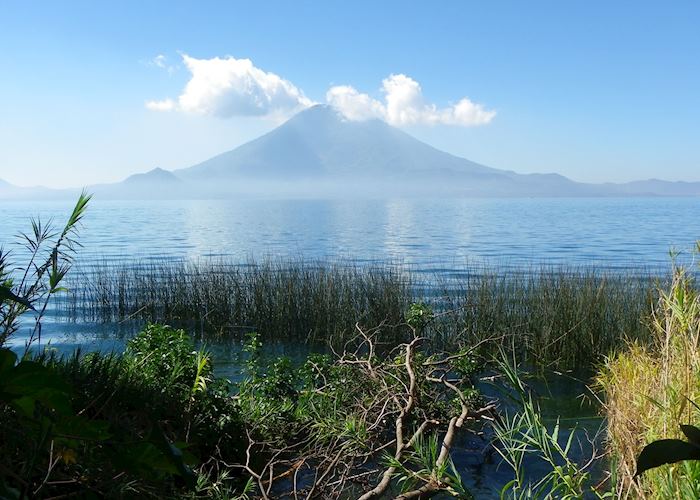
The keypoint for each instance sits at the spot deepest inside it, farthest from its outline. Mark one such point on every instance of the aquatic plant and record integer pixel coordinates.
(359, 422)
(29, 286)
(137, 424)
(524, 433)
(648, 390)
(564, 317)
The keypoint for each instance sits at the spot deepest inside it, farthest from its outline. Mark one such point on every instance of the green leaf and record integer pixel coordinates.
(144, 459)
(665, 451)
(80, 428)
(692, 433)
(176, 458)
(8, 359)
(30, 377)
(7, 294)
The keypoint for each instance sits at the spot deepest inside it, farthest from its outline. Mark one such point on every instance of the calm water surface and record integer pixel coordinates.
(625, 232)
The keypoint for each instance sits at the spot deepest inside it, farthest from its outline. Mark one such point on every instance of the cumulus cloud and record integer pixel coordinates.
(227, 87)
(404, 105)
(164, 105)
(354, 105)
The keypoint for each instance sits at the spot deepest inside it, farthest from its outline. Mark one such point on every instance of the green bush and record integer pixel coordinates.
(150, 417)
(167, 357)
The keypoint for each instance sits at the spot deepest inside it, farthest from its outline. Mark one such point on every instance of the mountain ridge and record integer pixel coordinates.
(320, 153)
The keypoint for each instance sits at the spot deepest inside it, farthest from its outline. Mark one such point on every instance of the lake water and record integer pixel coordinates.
(443, 236)
(437, 236)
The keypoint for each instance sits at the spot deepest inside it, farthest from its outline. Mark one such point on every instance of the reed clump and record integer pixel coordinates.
(294, 301)
(563, 317)
(649, 389)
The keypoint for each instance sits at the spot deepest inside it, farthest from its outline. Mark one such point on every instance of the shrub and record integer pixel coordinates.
(649, 390)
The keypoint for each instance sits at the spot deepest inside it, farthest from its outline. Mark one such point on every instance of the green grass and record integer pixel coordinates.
(566, 317)
(649, 389)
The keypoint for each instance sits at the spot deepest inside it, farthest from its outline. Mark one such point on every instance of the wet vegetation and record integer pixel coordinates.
(564, 317)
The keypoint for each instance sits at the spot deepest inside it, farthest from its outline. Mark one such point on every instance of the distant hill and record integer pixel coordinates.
(320, 149)
(319, 152)
(657, 187)
(11, 192)
(154, 184)
(157, 175)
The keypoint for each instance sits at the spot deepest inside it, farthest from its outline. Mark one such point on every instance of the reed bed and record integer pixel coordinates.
(281, 301)
(566, 317)
(563, 317)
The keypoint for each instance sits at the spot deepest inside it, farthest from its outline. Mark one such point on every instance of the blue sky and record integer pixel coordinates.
(597, 91)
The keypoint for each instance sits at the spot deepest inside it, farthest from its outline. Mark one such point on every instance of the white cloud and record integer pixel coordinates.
(227, 87)
(164, 105)
(354, 106)
(404, 105)
(161, 61)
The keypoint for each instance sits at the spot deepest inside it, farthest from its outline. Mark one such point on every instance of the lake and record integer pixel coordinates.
(446, 234)
(434, 236)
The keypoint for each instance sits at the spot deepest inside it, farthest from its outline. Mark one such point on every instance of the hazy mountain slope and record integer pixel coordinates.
(154, 184)
(156, 176)
(657, 187)
(11, 192)
(320, 142)
(320, 153)
(319, 149)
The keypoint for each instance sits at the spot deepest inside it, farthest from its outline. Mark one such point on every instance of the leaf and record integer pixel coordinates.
(80, 428)
(144, 459)
(7, 360)
(177, 459)
(692, 433)
(7, 294)
(665, 451)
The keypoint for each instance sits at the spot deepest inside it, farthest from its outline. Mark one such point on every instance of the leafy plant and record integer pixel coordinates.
(525, 434)
(48, 427)
(669, 451)
(648, 389)
(30, 287)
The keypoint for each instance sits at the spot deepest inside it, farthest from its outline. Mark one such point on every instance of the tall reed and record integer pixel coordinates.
(282, 301)
(650, 389)
(568, 317)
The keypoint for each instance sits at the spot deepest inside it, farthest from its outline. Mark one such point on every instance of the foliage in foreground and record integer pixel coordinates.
(524, 434)
(156, 422)
(650, 390)
(360, 423)
(115, 425)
